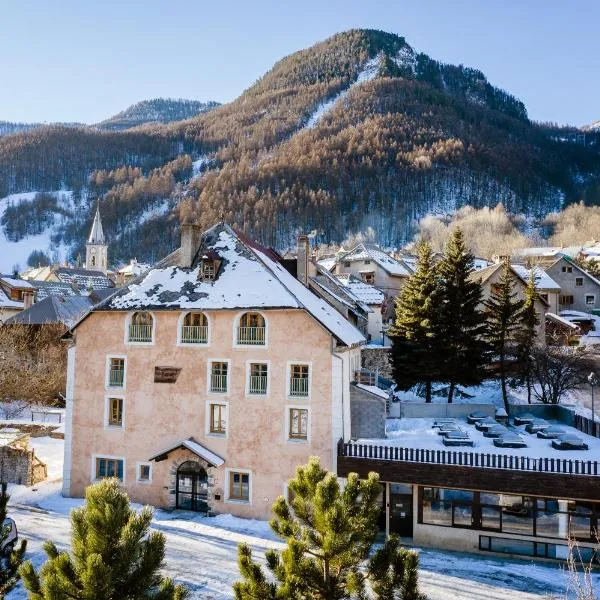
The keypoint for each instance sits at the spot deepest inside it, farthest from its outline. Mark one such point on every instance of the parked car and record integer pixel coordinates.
(8, 545)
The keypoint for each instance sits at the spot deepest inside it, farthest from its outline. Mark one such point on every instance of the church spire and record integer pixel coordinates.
(96, 249)
(97, 233)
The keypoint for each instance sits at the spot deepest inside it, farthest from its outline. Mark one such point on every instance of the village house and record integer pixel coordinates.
(490, 278)
(374, 267)
(15, 296)
(205, 382)
(578, 289)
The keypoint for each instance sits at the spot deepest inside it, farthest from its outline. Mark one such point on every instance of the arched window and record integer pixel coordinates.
(93, 261)
(140, 327)
(251, 330)
(194, 328)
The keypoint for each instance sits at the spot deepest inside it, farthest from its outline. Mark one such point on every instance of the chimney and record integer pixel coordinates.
(302, 254)
(27, 300)
(190, 240)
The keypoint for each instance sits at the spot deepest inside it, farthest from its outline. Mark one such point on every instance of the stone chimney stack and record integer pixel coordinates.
(302, 257)
(190, 241)
(27, 300)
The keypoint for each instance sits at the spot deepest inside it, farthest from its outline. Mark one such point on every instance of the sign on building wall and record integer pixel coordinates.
(166, 374)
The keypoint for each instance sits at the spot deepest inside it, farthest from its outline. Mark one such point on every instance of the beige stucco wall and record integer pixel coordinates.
(540, 307)
(7, 313)
(383, 280)
(158, 415)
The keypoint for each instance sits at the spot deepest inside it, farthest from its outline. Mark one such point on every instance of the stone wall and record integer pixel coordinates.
(19, 465)
(377, 360)
(367, 414)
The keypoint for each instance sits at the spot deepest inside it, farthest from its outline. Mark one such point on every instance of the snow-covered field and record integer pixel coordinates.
(201, 551)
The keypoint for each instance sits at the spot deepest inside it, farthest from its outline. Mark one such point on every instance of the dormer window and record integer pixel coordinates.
(208, 270)
(209, 266)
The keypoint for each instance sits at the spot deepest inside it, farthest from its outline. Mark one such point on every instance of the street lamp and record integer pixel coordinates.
(593, 381)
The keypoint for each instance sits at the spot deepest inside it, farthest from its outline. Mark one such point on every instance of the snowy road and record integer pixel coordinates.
(202, 552)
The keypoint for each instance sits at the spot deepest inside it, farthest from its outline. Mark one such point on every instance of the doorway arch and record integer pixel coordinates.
(192, 487)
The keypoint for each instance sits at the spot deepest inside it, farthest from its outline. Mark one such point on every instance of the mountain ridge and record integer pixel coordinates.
(359, 130)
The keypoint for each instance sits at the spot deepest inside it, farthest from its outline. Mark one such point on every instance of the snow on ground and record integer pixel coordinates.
(201, 164)
(17, 253)
(368, 72)
(202, 551)
(419, 433)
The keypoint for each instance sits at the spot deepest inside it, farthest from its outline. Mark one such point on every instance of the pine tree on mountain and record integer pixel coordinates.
(462, 322)
(12, 558)
(329, 533)
(417, 348)
(504, 323)
(526, 337)
(114, 555)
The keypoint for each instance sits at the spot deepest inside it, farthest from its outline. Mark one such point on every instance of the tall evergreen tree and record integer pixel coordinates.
(462, 322)
(12, 557)
(329, 533)
(114, 555)
(417, 351)
(504, 323)
(526, 337)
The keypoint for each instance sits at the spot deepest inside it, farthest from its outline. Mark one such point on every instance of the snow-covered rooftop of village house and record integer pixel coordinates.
(6, 302)
(16, 283)
(385, 261)
(419, 433)
(327, 263)
(363, 291)
(134, 268)
(249, 277)
(543, 281)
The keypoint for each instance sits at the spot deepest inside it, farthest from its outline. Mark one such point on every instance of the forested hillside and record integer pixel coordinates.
(359, 130)
(158, 110)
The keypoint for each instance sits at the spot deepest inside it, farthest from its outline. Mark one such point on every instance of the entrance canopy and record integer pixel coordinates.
(193, 446)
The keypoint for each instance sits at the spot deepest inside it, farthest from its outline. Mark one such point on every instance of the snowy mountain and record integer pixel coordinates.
(158, 110)
(360, 130)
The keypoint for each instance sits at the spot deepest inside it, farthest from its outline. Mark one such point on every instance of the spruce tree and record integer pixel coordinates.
(462, 322)
(329, 532)
(504, 323)
(12, 558)
(114, 555)
(526, 337)
(417, 349)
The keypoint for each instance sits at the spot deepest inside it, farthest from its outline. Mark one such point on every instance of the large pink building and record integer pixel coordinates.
(205, 382)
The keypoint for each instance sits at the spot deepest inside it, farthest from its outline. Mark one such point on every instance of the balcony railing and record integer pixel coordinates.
(218, 383)
(258, 384)
(299, 386)
(116, 377)
(140, 333)
(468, 459)
(194, 334)
(251, 336)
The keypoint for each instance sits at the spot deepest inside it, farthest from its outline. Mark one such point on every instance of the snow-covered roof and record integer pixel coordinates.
(249, 276)
(561, 321)
(83, 278)
(364, 292)
(13, 282)
(385, 261)
(134, 268)
(419, 433)
(54, 288)
(327, 263)
(193, 446)
(543, 281)
(6, 302)
(480, 263)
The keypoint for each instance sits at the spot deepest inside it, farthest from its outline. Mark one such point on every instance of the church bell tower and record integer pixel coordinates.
(96, 249)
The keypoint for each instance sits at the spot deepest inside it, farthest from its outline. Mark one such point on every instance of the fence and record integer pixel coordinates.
(469, 459)
(586, 425)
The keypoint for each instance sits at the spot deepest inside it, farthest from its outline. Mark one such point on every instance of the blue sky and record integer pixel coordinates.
(78, 60)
